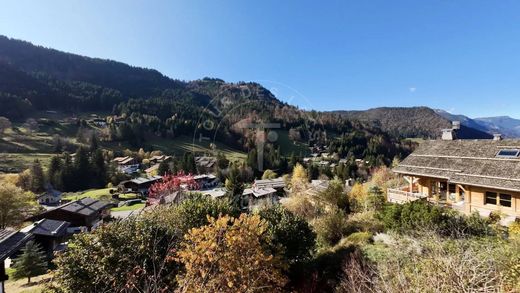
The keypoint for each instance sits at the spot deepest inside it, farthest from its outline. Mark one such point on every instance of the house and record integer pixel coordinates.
(252, 197)
(320, 185)
(49, 234)
(139, 185)
(50, 197)
(159, 159)
(277, 183)
(11, 242)
(215, 193)
(206, 164)
(469, 175)
(127, 165)
(206, 181)
(152, 171)
(85, 213)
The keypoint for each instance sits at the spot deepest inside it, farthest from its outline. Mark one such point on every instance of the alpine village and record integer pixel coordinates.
(116, 178)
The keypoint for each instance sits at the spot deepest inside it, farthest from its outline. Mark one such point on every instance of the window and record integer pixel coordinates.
(508, 153)
(491, 198)
(452, 188)
(505, 200)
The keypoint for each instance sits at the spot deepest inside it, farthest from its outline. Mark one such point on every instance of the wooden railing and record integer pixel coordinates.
(400, 196)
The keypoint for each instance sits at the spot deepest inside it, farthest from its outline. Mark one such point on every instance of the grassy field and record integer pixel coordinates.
(102, 193)
(179, 145)
(93, 193)
(128, 208)
(288, 146)
(17, 162)
(20, 286)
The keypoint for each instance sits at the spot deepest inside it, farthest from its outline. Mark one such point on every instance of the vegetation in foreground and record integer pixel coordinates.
(323, 241)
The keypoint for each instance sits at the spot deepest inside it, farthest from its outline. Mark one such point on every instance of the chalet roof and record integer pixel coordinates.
(119, 159)
(47, 227)
(205, 176)
(207, 162)
(259, 192)
(86, 206)
(11, 241)
(215, 193)
(471, 162)
(273, 183)
(160, 158)
(152, 168)
(143, 180)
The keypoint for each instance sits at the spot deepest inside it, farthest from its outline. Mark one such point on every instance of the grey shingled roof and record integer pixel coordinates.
(85, 206)
(471, 162)
(47, 227)
(11, 241)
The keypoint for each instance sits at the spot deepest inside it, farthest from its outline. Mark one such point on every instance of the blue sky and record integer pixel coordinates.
(462, 56)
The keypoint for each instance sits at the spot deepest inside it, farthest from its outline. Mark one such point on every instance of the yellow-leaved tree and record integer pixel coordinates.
(299, 179)
(230, 255)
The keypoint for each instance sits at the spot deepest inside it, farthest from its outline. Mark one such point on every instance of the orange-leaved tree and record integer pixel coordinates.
(230, 255)
(169, 185)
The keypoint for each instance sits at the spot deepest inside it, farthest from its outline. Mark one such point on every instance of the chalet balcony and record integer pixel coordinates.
(402, 195)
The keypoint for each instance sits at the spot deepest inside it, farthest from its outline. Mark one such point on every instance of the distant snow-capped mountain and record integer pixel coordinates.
(505, 125)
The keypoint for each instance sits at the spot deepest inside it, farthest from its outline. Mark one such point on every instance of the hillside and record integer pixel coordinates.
(411, 122)
(139, 106)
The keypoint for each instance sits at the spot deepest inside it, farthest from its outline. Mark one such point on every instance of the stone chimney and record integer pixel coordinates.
(451, 133)
(455, 125)
(497, 136)
(448, 134)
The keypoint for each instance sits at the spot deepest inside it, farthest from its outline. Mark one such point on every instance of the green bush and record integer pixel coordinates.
(290, 232)
(331, 227)
(136, 253)
(419, 215)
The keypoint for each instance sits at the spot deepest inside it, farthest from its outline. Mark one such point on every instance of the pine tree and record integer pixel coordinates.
(58, 146)
(94, 144)
(30, 263)
(82, 169)
(234, 185)
(53, 173)
(99, 169)
(37, 177)
(164, 168)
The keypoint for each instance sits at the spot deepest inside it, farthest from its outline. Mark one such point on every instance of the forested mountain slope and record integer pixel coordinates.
(410, 122)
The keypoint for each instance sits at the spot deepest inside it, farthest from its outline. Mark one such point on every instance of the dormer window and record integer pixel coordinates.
(508, 153)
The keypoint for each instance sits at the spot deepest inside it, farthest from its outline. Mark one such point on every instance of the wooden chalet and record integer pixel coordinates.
(50, 234)
(86, 212)
(469, 175)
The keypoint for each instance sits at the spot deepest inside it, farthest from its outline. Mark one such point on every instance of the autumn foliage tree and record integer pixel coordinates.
(230, 255)
(169, 185)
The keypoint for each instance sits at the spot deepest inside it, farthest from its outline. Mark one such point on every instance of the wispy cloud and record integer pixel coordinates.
(412, 89)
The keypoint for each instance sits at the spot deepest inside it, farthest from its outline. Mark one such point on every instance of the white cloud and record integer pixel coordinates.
(412, 89)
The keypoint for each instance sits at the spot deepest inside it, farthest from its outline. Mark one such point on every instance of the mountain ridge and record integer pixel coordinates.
(407, 122)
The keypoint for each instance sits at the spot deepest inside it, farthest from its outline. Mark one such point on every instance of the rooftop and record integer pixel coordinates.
(143, 180)
(86, 206)
(471, 162)
(47, 227)
(274, 183)
(11, 241)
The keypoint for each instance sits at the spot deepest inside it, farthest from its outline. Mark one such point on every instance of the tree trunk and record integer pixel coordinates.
(28, 280)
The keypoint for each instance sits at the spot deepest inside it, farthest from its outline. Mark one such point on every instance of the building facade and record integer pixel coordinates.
(469, 175)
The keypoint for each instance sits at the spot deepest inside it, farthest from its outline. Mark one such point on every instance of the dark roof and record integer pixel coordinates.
(471, 162)
(11, 241)
(47, 227)
(85, 206)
